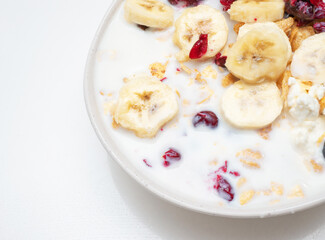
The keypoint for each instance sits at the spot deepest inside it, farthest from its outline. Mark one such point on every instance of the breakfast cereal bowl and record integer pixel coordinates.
(196, 148)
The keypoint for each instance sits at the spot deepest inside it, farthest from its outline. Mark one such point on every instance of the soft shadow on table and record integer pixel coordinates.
(172, 222)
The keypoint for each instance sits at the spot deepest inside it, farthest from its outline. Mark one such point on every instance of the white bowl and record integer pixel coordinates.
(177, 199)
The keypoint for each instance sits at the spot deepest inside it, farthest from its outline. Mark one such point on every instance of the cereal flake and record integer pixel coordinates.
(228, 80)
(277, 188)
(249, 157)
(286, 24)
(158, 69)
(209, 72)
(296, 192)
(246, 196)
(322, 106)
(298, 34)
(241, 181)
(264, 132)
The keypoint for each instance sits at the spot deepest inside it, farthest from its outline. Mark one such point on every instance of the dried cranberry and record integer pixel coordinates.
(220, 60)
(223, 168)
(305, 10)
(166, 163)
(224, 188)
(319, 27)
(301, 22)
(144, 28)
(320, 11)
(206, 117)
(300, 9)
(226, 4)
(171, 155)
(235, 173)
(200, 47)
(146, 162)
(286, 15)
(188, 3)
(317, 2)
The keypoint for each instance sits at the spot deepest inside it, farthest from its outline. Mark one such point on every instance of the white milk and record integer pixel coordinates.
(125, 50)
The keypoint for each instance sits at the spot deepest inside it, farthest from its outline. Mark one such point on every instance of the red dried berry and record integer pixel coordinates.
(144, 28)
(319, 27)
(224, 188)
(300, 9)
(206, 117)
(320, 11)
(226, 4)
(220, 60)
(305, 10)
(166, 163)
(316, 2)
(200, 47)
(188, 3)
(223, 168)
(145, 161)
(235, 173)
(171, 155)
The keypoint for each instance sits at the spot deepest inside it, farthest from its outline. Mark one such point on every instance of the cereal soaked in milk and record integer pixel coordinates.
(198, 154)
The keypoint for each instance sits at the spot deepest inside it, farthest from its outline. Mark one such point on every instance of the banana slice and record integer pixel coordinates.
(151, 13)
(308, 62)
(196, 21)
(251, 106)
(145, 105)
(249, 26)
(261, 52)
(250, 11)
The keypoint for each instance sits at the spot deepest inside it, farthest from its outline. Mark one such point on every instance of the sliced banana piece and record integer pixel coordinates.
(251, 106)
(144, 105)
(151, 13)
(261, 52)
(249, 26)
(308, 62)
(250, 11)
(196, 21)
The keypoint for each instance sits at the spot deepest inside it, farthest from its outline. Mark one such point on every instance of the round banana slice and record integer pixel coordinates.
(151, 13)
(260, 53)
(250, 11)
(308, 62)
(251, 106)
(145, 105)
(196, 21)
(249, 26)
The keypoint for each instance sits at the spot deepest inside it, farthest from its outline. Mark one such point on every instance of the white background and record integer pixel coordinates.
(56, 181)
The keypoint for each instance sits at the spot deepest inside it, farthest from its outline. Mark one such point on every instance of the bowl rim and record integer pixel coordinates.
(90, 102)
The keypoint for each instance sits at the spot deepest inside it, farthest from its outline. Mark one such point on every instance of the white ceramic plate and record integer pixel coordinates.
(110, 145)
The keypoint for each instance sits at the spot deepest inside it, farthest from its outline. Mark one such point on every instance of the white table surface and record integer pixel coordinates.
(56, 180)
